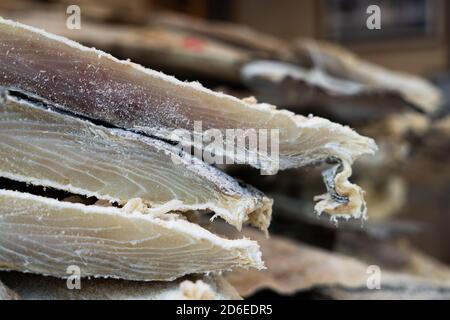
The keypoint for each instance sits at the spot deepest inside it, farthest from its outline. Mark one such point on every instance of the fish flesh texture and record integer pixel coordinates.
(46, 148)
(146, 237)
(46, 236)
(93, 84)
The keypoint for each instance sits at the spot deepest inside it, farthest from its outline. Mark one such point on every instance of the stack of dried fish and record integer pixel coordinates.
(92, 176)
(396, 108)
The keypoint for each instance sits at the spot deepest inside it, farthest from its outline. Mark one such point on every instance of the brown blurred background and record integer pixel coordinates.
(417, 40)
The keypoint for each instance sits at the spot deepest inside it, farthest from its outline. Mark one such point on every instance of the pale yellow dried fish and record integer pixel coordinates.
(46, 236)
(335, 62)
(91, 83)
(294, 267)
(46, 148)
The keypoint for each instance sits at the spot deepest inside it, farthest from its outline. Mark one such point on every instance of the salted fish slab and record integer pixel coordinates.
(96, 85)
(46, 236)
(47, 148)
(330, 59)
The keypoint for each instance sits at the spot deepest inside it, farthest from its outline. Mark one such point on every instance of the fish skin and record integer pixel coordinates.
(46, 236)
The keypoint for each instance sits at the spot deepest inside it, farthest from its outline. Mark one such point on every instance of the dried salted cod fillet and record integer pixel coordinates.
(46, 236)
(333, 62)
(180, 52)
(294, 267)
(94, 84)
(46, 148)
(36, 287)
